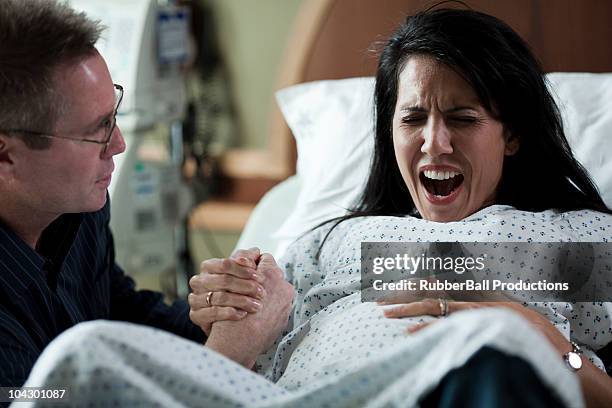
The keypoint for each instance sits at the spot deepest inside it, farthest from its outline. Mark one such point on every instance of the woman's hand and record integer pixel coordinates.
(226, 289)
(433, 307)
(596, 384)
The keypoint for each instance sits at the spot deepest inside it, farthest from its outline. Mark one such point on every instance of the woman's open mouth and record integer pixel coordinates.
(442, 186)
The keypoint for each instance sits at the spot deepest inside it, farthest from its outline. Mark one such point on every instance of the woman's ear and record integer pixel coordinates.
(512, 144)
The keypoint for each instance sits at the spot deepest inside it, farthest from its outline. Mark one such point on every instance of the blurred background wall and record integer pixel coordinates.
(252, 36)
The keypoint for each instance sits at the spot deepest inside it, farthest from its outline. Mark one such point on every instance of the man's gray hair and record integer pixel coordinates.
(36, 37)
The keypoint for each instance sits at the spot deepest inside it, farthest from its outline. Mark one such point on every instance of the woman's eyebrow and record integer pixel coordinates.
(418, 109)
(411, 109)
(460, 108)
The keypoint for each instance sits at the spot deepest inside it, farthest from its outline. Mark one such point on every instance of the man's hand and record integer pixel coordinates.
(245, 339)
(226, 289)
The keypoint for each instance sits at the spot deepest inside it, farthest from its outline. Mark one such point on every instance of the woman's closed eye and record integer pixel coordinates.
(463, 120)
(414, 120)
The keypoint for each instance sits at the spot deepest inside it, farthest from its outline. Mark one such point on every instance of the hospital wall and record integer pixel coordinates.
(252, 36)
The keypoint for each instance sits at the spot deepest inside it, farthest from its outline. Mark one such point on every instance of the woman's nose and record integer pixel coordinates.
(437, 139)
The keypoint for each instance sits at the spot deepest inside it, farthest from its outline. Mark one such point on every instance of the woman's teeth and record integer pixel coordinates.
(440, 175)
(441, 183)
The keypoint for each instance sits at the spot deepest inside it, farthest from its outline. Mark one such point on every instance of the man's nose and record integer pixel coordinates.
(436, 139)
(117, 143)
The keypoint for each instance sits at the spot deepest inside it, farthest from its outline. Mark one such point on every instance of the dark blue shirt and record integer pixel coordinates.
(71, 277)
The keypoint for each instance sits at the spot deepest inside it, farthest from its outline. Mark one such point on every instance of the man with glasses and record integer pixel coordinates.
(58, 138)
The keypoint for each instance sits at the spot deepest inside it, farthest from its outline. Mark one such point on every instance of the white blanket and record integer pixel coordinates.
(339, 351)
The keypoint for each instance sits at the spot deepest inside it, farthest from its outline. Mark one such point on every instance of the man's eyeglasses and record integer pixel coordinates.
(108, 124)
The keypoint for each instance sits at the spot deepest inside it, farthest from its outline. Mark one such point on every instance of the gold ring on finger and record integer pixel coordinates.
(443, 307)
(209, 299)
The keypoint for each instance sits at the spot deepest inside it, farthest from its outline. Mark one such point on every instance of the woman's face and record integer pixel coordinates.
(449, 149)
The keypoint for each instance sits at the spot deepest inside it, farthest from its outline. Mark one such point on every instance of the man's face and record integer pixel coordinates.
(72, 176)
(449, 149)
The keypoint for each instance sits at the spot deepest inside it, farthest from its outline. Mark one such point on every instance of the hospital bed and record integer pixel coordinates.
(328, 118)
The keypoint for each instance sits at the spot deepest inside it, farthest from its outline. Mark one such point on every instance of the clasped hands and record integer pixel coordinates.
(242, 303)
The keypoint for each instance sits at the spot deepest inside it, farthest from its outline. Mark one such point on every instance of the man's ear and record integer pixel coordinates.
(513, 144)
(7, 146)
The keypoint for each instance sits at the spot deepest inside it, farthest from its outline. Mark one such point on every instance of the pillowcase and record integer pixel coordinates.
(332, 122)
(585, 101)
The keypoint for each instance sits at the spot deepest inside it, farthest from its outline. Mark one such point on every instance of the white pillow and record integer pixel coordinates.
(585, 101)
(332, 122)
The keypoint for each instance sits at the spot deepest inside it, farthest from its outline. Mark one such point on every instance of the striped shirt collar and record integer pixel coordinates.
(22, 266)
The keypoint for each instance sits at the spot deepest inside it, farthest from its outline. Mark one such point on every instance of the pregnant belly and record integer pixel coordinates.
(341, 338)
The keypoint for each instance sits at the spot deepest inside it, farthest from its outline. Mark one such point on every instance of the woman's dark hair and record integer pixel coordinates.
(509, 81)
